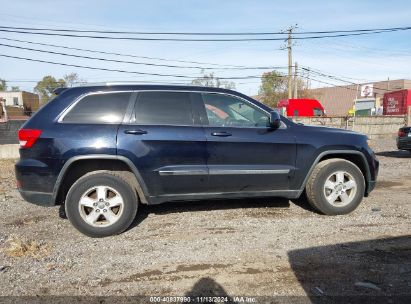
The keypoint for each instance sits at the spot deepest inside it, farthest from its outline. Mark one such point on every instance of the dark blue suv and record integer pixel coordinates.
(102, 150)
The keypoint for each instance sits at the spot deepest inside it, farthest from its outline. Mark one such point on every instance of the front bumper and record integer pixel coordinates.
(371, 183)
(370, 187)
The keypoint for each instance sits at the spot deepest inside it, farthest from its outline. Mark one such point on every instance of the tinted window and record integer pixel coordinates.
(164, 108)
(318, 112)
(224, 111)
(99, 108)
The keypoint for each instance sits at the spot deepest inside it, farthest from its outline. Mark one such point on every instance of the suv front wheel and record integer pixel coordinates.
(336, 186)
(101, 203)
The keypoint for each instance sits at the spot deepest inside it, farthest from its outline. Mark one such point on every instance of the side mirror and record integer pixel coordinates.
(275, 120)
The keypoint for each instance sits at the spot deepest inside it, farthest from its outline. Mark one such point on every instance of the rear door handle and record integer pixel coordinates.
(221, 134)
(135, 132)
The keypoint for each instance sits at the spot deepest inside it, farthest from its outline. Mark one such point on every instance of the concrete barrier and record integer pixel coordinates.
(8, 131)
(372, 126)
(9, 151)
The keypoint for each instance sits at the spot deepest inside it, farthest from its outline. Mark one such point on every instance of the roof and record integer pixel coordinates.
(115, 86)
(127, 83)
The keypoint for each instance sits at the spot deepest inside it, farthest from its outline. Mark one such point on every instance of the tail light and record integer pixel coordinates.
(401, 133)
(28, 137)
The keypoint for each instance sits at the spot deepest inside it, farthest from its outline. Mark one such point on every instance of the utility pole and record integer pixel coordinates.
(290, 62)
(3, 106)
(308, 78)
(290, 59)
(295, 80)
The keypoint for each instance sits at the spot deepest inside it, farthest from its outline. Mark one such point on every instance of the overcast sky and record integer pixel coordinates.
(363, 58)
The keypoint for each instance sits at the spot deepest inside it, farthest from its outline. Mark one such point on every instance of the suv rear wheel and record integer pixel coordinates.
(101, 203)
(336, 186)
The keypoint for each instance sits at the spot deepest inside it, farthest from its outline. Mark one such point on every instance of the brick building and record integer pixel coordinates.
(339, 100)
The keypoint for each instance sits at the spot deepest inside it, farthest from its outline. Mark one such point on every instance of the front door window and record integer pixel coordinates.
(228, 111)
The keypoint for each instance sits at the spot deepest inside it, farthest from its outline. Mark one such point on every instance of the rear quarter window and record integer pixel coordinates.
(99, 108)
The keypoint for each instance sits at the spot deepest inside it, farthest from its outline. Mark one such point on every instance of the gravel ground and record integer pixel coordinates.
(259, 247)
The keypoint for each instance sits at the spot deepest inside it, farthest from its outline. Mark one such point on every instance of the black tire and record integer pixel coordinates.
(315, 186)
(115, 181)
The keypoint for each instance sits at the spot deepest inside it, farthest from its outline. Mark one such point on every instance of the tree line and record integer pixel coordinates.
(4, 87)
(273, 87)
(45, 87)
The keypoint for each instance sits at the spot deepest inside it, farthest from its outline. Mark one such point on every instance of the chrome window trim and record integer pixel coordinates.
(283, 125)
(82, 96)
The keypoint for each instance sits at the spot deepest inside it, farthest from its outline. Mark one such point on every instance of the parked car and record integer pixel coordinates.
(301, 107)
(404, 139)
(103, 150)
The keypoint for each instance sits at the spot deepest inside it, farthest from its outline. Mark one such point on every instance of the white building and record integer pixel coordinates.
(19, 103)
(19, 98)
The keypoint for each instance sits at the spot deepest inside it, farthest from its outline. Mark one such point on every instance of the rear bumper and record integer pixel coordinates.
(38, 198)
(404, 143)
(36, 180)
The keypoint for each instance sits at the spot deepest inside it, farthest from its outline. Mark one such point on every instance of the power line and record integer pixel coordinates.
(352, 47)
(203, 40)
(332, 84)
(121, 71)
(345, 77)
(170, 81)
(204, 33)
(328, 76)
(137, 63)
(357, 30)
(119, 54)
(342, 80)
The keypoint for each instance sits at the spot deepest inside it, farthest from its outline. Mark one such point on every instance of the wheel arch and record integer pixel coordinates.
(78, 166)
(353, 156)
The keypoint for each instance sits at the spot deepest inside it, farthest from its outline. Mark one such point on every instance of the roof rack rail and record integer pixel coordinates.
(115, 83)
(57, 91)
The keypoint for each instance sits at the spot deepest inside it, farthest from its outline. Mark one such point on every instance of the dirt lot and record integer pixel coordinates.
(248, 247)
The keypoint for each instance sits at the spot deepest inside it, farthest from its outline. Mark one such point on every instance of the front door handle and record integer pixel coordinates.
(135, 132)
(221, 134)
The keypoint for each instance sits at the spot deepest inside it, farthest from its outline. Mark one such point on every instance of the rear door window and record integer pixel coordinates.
(163, 108)
(99, 108)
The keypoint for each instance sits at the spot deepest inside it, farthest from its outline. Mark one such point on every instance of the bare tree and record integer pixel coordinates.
(73, 79)
(209, 80)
